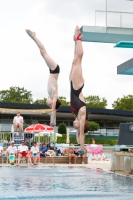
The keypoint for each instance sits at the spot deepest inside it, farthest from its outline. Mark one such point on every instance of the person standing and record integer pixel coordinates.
(52, 87)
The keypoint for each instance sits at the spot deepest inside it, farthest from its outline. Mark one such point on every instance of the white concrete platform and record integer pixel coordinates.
(104, 165)
(106, 34)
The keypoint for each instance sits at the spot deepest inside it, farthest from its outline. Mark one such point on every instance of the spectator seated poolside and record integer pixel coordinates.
(83, 154)
(101, 156)
(71, 154)
(11, 152)
(93, 156)
(34, 153)
(57, 151)
(65, 152)
(23, 152)
(43, 150)
(1, 150)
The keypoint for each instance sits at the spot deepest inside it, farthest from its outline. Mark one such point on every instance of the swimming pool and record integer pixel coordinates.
(63, 183)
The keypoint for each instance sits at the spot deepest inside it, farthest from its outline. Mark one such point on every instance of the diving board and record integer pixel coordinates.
(106, 34)
(124, 44)
(126, 68)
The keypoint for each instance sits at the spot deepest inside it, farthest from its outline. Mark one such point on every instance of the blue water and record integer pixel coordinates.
(63, 183)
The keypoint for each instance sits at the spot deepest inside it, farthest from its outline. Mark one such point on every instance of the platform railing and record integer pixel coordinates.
(113, 19)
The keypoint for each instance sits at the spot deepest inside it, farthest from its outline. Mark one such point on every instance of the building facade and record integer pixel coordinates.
(108, 119)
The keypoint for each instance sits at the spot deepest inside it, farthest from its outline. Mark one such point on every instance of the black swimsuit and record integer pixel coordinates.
(56, 70)
(76, 103)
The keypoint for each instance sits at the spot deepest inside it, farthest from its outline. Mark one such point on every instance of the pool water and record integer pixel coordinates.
(63, 183)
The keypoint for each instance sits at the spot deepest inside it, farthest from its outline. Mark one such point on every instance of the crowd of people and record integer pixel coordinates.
(13, 152)
(99, 156)
(33, 154)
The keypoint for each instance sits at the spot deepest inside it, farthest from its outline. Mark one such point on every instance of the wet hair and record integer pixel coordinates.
(87, 124)
(58, 104)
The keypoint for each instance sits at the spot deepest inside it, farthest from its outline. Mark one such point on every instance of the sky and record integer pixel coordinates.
(54, 21)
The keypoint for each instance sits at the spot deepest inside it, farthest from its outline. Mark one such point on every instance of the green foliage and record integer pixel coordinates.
(93, 126)
(62, 139)
(87, 140)
(16, 95)
(40, 101)
(64, 102)
(95, 102)
(125, 103)
(62, 128)
(42, 139)
(25, 126)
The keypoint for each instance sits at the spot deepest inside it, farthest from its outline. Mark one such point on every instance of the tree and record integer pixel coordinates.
(64, 102)
(125, 103)
(62, 128)
(40, 101)
(95, 102)
(16, 95)
(93, 126)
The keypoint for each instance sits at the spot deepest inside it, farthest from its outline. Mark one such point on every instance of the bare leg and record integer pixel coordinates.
(74, 158)
(16, 127)
(49, 61)
(20, 127)
(77, 136)
(76, 71)
(35, 159)
(29, 159)
(77, 31)
(70, 157)
(19, 157)
(82, 138)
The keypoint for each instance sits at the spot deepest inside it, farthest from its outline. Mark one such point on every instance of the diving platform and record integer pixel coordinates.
(106, 34)
(126, 68)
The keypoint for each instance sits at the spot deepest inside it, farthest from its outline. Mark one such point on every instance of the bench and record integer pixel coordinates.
(62, 160)
(57, 160)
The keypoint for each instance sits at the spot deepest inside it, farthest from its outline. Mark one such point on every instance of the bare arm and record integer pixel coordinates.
(22, 120)
(14, 120)
(82, 123)
(53, 113)
(78, 136)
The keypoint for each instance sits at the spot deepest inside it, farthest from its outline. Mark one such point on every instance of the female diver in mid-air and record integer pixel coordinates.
(53, 102)
(78, 106)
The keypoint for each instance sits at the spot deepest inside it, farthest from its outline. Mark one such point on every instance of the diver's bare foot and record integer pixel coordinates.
(77, 34)
(30, 33)
(77, 31)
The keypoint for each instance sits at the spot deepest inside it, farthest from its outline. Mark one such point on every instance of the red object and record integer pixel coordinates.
(36, 128)
(78, 37)
(23, 154)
